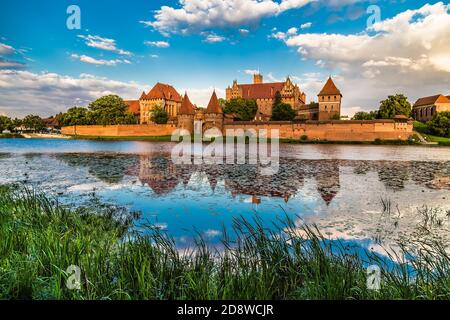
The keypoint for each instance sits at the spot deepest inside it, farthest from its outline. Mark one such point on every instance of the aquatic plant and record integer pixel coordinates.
(41, 239)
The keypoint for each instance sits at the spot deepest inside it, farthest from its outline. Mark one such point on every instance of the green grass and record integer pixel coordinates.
(423, 129)
(10, 135)
(40, 239)
(123, 138)
(376, 142)
(286, 141)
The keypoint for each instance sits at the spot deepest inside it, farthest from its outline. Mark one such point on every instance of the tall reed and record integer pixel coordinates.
(40, 239)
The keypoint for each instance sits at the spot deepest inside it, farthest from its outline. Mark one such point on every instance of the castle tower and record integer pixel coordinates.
(186, 114)
(213, 114)
(330, 99)
(257, 78)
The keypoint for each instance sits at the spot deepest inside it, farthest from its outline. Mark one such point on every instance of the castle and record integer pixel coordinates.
(327, 108)
(314, 121)
(183, 113)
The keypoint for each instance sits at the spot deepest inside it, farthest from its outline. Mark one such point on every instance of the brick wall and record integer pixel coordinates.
(321, 130)
(154, 130)
(335, 130)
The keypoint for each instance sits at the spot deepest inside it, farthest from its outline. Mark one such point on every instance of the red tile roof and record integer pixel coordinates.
(133, 106)
(186, 106)
(427, 101)
(51, 122)
(164, 91)
(214, 105)
(330, 89)
(260, 90)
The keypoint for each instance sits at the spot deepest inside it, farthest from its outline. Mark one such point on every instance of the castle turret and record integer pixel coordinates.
(186, 114)
(257, 78)
(214, 114)
(330, 99)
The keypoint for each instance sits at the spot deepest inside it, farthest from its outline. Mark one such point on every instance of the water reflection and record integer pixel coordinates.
(162, 176)
(341, 196)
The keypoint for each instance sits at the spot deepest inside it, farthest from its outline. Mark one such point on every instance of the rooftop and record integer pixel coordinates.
(330, 89)
(427, 101)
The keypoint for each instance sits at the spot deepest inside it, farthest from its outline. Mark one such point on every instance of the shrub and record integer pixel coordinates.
(159, 115)
(440, 125)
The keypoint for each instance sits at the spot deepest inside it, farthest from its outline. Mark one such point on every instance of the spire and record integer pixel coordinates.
(213, 105)
(143, 95)
(186, 106)
(330, 89)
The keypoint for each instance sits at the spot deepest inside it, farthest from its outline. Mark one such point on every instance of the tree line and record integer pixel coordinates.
(30, 122)
(107, 110)
(399, 105)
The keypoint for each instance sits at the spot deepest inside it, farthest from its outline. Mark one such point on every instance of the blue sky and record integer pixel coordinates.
(125, 47)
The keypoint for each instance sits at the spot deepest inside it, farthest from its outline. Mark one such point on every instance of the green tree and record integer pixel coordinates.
(33, 122)
(278, 99)
(244, 109)
(393, 106)
(16, 123)
(440, 125)
(110, 109)
(283, 112)
(5, 124)
(74, 116)
(371, 115)
(159, 115)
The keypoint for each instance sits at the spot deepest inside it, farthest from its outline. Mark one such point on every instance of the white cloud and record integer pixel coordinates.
(46, 94)
(157, 44)
(103, 44)
(251, 71)
(154, 56)
(200, 15)
(407, 53)
(102, 62)
(9, 64)
(244, 32)
(306, 25)
(211, 37)
(6, 49)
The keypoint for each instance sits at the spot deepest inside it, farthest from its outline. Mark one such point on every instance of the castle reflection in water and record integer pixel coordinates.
(162, 176)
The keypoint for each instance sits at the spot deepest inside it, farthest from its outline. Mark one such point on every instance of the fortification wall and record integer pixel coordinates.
(314, 130)
(142, 130)
(334, 130)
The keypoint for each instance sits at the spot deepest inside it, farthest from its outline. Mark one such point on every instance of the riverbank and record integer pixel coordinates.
(41, 239)
(10, 135)
(423, 130)
(414, 142)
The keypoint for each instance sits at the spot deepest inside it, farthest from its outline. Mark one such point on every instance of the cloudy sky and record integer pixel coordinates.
(371, 48)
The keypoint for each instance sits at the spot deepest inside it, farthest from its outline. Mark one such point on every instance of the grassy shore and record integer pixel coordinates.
(286, 141)
(41, 239)
(424, 131)
(123, 138)
(11, 135)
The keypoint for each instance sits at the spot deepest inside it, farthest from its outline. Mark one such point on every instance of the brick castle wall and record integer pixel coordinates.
(148, 130)
(334, 130)
(314, 130)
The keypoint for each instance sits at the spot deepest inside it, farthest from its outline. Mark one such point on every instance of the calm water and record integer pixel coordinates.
(337, 187)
